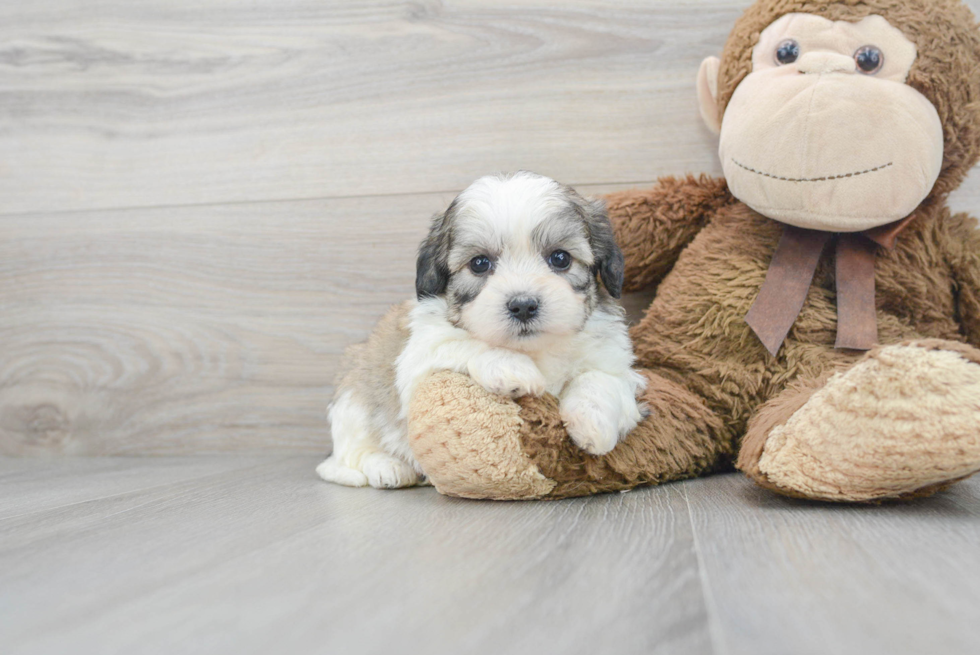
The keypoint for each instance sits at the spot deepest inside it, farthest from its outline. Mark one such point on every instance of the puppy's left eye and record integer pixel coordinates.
(560, 260)
(480, 264)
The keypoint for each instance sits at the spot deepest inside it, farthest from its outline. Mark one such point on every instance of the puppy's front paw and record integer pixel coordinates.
(386, 472)
(591, 426)
(507, 373)
(332, 470)
(380, 470)
(599, 409)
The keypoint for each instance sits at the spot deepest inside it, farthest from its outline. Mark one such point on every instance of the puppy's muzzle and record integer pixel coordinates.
(523, 308)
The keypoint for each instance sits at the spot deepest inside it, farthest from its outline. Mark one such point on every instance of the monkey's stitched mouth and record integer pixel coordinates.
(826, 178)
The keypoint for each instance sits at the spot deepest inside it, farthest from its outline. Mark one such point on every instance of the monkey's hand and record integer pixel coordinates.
(653, 226)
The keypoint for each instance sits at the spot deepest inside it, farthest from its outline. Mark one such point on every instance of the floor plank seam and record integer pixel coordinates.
(714, 628)
(131, 491)
(273, 201)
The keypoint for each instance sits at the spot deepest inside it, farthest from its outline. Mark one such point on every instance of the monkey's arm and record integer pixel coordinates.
(966, 273)
(653, 226)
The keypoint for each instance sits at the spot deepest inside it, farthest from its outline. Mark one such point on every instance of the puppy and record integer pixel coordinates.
(507, 291)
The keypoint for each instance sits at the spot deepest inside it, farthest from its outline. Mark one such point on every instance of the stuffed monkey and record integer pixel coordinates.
(817, 313)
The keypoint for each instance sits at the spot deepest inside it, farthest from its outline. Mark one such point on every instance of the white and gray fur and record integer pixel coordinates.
(522, 327)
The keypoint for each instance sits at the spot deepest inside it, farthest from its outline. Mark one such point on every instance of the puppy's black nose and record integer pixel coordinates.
(522, 308)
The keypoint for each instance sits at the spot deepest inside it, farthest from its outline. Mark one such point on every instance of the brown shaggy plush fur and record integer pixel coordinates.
(711, 381)
(681, 446)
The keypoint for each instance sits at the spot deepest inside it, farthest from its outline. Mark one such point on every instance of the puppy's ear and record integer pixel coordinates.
(432, 265)
(609, 260)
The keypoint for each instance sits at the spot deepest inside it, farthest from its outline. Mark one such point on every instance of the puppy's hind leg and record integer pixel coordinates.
(349, 427)
(358, 459)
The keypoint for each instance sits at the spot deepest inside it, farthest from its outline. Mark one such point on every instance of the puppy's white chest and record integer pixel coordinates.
(557, 369)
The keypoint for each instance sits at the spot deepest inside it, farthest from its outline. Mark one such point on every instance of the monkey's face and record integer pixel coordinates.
(824, 133)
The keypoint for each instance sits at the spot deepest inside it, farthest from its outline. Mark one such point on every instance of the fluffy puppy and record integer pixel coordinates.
(507, 291)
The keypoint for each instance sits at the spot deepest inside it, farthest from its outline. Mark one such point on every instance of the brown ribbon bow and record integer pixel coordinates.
(790, 274)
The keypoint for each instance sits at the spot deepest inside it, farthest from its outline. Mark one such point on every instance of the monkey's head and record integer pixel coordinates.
(846, 115)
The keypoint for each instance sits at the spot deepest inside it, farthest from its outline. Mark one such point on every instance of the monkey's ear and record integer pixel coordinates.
(432, 265)
(708, 93)
(609, 260)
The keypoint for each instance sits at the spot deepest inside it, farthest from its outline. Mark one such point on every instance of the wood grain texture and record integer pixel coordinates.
(31, 485)
(153, 103)
(203, 328)
(149, 103)
(788, 576)
(256, 555)
(202, 204)
(194, 329)
(121, 104)
(271, 559)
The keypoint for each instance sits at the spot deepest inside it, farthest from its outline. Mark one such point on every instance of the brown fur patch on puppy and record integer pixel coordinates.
(368, 369)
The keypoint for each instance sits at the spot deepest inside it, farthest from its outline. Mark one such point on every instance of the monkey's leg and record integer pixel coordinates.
(476, 445)
(904, 421)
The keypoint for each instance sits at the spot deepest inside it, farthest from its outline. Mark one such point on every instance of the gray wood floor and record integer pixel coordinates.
(247, 554)
(202, 202)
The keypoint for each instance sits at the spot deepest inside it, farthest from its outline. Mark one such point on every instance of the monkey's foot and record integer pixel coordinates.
(902, 422)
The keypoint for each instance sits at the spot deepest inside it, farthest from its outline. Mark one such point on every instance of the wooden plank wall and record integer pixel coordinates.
(203, 203)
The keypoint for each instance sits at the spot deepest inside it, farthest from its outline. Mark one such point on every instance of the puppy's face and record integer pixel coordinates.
(517, 258)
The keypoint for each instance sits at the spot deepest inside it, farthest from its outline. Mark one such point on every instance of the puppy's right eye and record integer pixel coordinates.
(560, 260)
(480, 264)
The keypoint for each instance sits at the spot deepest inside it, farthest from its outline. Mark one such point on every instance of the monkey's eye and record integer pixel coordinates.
(869, 59)
(560, 260)
(787, 52)
(480, 264)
